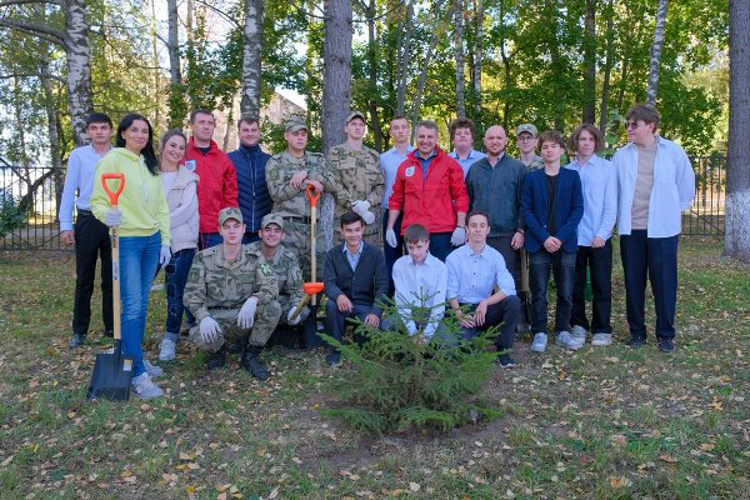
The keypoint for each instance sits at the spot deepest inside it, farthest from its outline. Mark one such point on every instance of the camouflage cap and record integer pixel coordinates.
(272, 219)
(353, 115)
(527, 127)
(295, 123)
(230, 213)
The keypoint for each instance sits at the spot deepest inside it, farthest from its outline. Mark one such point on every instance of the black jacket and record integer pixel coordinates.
(366, 285)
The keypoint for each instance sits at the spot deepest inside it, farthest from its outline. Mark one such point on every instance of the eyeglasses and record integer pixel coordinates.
(632, 125)
(526, 138)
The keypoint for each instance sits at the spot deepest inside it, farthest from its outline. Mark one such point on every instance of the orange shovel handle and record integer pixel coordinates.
(113, 195)
(313, 195)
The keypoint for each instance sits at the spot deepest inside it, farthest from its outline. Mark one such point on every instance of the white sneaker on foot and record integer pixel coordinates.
(564, 339)
(579, 333)
(167, 349)
(540, 342)
(144, 388)
(602, 339)
(153, 370)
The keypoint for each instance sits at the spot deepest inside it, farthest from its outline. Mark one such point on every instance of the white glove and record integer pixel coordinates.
(368, 217)
(164, 255)
(112, 217)
(458, 237)
(246, 317)
(361, 206)
(390, 238)
(295, 321)
(210, 330)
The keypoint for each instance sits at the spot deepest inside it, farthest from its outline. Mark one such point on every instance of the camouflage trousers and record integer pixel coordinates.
(298, 240)
(266, 318)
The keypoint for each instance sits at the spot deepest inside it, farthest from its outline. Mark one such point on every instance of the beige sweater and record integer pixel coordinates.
(183, 210)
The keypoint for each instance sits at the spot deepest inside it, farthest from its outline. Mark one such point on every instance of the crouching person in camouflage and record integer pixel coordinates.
(232, 293)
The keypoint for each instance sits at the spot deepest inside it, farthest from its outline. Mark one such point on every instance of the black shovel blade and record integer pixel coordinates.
(111, 377)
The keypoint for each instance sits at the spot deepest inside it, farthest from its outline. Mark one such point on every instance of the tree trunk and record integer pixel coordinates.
(589, 58)
(421, 82)
(653, 73)
(229, 126)
(177, 110)
(458, 50)
(52, 130)
(403, 61)
(373, 59)
(78, 52)
(253, 46)
(604, 108)
(553, 44)
(737, 223)
(478, 54)
(157, 71)
(507, 79)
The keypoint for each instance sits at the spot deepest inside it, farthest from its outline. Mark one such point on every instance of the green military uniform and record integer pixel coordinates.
(535, 164)
(218, 288)
(358, 173)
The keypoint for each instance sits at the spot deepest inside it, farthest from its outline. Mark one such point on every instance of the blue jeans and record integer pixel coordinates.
(175, 277)
(440, 245)
(563, 267)
(139, 257)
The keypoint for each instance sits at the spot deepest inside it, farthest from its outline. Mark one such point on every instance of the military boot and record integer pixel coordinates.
(217, 359)
(251, 363)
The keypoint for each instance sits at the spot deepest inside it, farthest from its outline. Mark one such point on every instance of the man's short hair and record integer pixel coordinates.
(249, 120)
(551, 136)
(399, 117)
(99, 118)
(644, 112)
(428, 124)
(462, 123)
(350, 218)
(200, 112)
(474, 213)
(591, 129)
(416, 233)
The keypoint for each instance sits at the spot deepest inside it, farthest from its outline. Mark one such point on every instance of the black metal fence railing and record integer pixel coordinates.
(37, 192)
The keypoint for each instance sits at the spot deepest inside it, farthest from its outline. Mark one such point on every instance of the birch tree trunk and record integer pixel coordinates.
(78, 54)
(478, 54)
(177, 109)
(604, 107)
(653, 73)
(737, 223)
(458, 50)
(589, 58)
(372, 56)
(157, 70)
(403, 61)
(253, 44)
(52, 130)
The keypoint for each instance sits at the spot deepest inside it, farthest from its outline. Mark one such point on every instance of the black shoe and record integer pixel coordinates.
(109, 333)
(636, 342)
(333, 359)
(666, 345)
(77, 340)
(237, 347)
(251, 363)
(505, 361)
(217, 359)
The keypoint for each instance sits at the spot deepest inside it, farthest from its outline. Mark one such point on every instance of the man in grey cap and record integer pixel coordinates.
(357, 171)
(526, 139)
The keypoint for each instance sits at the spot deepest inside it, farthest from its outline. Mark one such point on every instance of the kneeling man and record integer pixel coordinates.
(232, 294)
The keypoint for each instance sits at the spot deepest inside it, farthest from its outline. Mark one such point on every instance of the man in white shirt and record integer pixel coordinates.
(421, 281)
(90, 236)
(462, 132)
(656, 184)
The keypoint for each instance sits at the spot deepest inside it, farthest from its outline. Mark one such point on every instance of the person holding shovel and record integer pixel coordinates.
(142, 215)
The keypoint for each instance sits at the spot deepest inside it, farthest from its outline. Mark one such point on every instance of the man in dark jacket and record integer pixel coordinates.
(355, 280)
(250, 163)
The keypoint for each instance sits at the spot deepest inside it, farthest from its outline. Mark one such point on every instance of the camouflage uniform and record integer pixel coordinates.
(219, 288)
(535, 164)
(288, 276)
(293, 206)
(358, 173)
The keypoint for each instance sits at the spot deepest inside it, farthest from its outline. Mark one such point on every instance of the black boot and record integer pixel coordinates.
(237, 346)
(217, 359)
(251, 363)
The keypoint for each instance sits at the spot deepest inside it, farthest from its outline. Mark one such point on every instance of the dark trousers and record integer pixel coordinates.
(657, 258)
(512, 260)
(392, 254)
(599, 261)
(335, 321)
(92, 242)
(506, 312)
(175, 278)
(440, 245)
(208, 240)
(563, 267)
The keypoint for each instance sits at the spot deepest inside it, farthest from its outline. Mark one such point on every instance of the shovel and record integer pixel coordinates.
(313, 196)
(525, 292)
(112, 372)
(311, 289)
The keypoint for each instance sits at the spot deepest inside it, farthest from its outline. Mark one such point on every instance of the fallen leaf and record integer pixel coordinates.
(668, 458)
(274, 493)
(414, 487)
(619, 482)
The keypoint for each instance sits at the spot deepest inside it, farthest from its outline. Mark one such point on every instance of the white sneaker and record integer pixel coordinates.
(540, 343)
(167, 349)
(579, 333)
(602, 339)
(564, 339)
(153, 370)
(144, 388)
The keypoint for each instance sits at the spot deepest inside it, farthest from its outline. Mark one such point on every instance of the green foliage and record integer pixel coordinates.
(397, 383)
(11, 215)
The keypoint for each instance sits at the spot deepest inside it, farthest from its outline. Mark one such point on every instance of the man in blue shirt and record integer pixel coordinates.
(90, 236)
(462, 133)
(475, 272)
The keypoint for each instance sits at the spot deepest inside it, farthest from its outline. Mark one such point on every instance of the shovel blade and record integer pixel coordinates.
(111, 376)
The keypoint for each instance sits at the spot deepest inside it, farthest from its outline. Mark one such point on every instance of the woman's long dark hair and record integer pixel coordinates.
(148, 150)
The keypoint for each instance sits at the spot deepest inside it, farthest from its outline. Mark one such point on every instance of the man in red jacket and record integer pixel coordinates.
(430, 189)
(217, 188)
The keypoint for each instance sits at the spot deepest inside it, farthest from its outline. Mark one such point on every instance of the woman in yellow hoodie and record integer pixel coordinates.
(143, 217)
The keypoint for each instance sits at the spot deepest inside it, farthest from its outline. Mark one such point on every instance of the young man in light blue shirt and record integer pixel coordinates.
(90, 236)
(462, 133)
(656, 184)
(599, 190)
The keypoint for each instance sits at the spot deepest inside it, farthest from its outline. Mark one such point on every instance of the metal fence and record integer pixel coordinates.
(39, 189)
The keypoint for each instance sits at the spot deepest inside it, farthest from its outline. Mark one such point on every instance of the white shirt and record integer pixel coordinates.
(80, 176)
(473, 277)
(421, 285)
(389, 163)
(473, 157)
(599, 187)
(672, 193)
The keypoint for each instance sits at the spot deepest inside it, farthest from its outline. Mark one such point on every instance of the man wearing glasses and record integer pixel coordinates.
(656, 184)
(526, 140)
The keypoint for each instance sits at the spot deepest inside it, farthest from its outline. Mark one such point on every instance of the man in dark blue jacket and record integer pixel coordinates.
(552, 207)
(250, 163)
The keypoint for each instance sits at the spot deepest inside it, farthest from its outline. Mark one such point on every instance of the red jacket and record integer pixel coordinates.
(432, 202)
(217, 188)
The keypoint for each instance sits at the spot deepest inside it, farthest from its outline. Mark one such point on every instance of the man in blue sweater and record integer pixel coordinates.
(250, 163)
(355, 280)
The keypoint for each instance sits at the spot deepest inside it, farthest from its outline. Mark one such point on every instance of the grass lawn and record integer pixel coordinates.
(610, 423)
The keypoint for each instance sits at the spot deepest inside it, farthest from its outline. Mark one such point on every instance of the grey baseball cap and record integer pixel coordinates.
(230, 213)
(353, 115)
(295, 123)
(272, 219)
(527, 127)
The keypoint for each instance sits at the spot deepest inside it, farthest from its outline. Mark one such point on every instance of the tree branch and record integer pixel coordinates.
(49, 34)
(7, 3)
(222, 14)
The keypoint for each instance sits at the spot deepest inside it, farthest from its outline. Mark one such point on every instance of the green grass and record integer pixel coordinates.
(608, 423)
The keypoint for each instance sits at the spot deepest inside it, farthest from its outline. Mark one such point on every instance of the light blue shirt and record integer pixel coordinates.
(80, 177)
(353, 258)
(473, 277)
(672, 193)
(473, 157)
(421, 285)
(389, 163)
(599, 188)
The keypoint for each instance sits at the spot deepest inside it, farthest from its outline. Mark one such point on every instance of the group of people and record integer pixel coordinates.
(433, 230)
